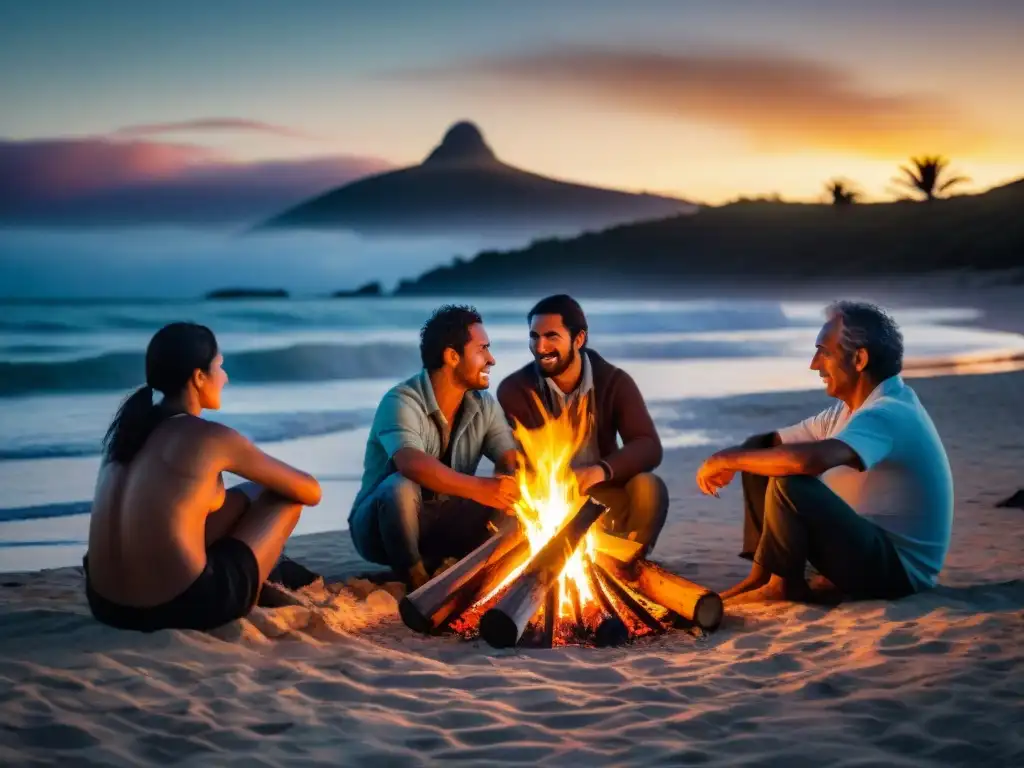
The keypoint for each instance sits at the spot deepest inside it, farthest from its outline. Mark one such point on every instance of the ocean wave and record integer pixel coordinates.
(259, 427)
(43, 511)
(297, 363)
(32, 349)
(682, 349)
(37, 326)
(311, 362)
(712, 316)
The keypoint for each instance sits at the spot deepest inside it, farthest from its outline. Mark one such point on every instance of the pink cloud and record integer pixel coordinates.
(95, 181)
(67, 167)
(212, 124)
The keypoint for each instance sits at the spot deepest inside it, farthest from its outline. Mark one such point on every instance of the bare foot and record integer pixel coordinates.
(757, 578)
(776, 590)
(823, 592)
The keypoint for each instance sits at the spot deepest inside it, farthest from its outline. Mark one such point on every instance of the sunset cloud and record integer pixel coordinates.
(779, 103)
(101, 181)
(218, 124)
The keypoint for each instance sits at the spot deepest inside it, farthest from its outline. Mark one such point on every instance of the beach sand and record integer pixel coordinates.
(935, 679)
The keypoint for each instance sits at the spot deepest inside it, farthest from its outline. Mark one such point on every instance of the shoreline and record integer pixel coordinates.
(687, 425)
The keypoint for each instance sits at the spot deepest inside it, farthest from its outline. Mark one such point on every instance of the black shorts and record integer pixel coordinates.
(226, 590)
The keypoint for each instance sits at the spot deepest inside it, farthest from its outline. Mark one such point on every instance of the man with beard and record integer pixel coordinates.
(564, 371)
(420, 500)
(862, 491)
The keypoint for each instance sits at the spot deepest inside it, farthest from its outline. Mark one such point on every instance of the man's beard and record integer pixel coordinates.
(561, 367)
(471, 382)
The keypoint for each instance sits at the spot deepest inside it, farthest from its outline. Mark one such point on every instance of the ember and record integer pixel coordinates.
(549, 577)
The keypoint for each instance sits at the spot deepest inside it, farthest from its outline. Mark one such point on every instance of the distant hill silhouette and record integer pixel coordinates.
(463, 187)
(755, 241)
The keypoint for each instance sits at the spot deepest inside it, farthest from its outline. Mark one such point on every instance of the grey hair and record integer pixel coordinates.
(867, 326)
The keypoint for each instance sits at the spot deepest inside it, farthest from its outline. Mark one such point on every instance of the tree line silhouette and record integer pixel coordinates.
(925, 176)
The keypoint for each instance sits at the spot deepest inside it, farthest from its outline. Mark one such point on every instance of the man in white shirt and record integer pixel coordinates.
(862, 491)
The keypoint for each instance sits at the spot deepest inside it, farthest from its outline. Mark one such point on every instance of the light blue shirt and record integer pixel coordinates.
(408, 417)
(906, 487)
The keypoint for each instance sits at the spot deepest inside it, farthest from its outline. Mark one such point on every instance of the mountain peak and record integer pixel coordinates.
(463, 143)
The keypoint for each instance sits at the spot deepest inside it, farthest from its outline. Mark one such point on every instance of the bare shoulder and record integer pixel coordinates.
(194, 440)
(218, 437)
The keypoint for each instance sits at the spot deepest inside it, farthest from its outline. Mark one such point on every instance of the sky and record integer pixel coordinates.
(703, 100)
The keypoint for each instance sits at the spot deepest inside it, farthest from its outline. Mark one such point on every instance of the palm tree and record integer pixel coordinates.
(842, 192)
(926, 176)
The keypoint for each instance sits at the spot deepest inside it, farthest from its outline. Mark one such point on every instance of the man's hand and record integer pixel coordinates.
(501, 492)
(714, 475)
(587, 477)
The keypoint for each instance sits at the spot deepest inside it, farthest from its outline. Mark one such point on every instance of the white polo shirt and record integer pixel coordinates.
(906, 487)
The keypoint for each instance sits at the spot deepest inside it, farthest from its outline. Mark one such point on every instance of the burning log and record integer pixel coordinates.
(503, 625)
(574, 600)
(629, 599)
(621, 549)
(451, 592)
(691, 601)
(609, 628)
(550, 617)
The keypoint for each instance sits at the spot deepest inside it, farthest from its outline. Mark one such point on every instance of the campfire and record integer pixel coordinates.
(551, 576)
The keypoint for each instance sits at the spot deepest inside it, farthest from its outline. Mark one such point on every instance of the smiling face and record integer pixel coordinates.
(472, 369)
(551, 344)
(839, 370)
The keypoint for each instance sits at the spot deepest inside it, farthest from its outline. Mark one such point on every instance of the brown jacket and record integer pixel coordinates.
(619, 409)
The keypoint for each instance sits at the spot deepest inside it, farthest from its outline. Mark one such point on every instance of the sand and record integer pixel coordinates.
(935, 679)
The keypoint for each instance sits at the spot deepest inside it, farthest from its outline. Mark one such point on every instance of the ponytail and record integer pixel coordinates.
(174, 353)
(135, 420)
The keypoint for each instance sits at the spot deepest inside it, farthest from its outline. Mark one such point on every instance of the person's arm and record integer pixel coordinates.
(787, 459)
(241, 457)
(863, 442)
(426, 471)
(812, 458)
(399, 425)
(641, 447)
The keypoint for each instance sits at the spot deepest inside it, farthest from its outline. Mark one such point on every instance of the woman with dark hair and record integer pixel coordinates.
(169, 547)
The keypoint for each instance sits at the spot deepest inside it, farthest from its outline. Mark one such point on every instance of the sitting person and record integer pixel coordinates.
(564, 370)
(862, 491)
(169, 547)
(420, 500)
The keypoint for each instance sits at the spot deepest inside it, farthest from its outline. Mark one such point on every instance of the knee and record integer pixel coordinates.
(400, 495)
(648, 494)
(793, 489)
(756, 442)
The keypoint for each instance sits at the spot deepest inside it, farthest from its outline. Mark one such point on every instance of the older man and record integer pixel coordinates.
(862, 491)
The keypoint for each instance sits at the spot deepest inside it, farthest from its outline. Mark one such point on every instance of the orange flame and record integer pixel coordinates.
(549, 493)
